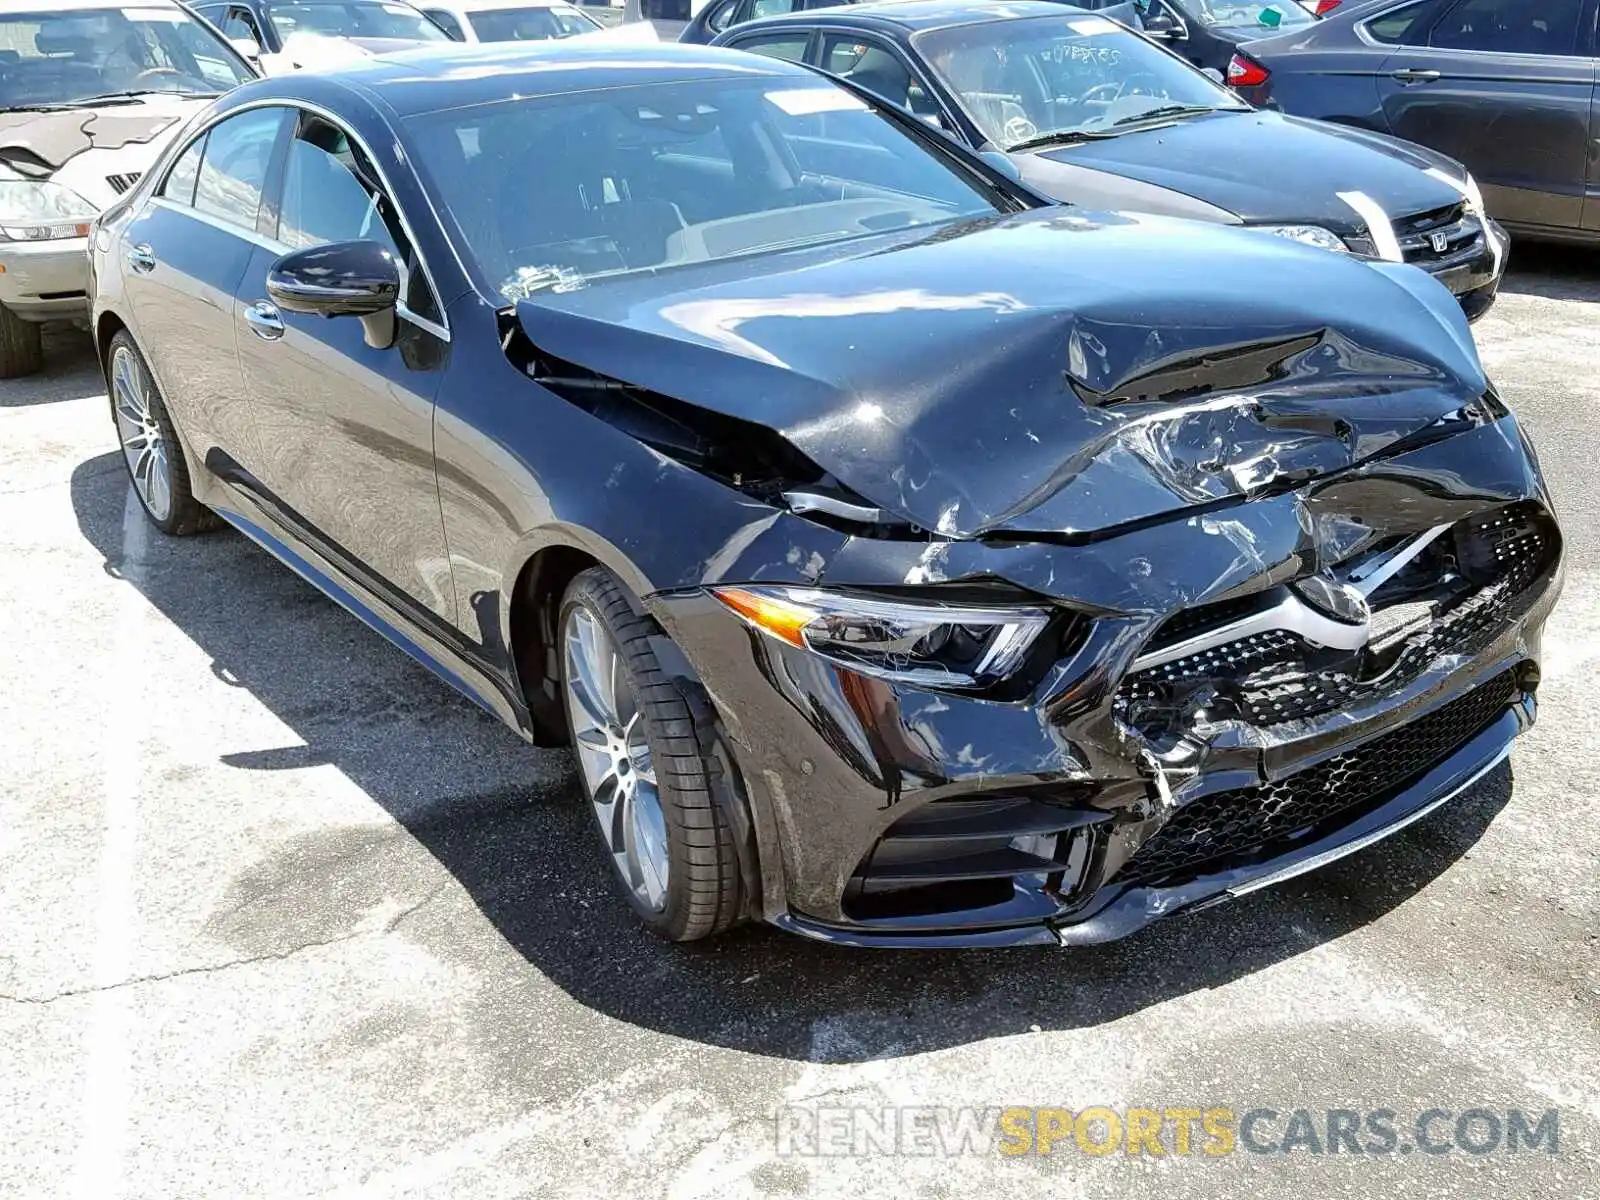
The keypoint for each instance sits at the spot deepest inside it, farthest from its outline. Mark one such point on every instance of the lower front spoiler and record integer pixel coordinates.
(1136, 907)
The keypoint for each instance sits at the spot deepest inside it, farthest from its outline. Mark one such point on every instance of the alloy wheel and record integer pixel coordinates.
(614, 756)
(140, 433)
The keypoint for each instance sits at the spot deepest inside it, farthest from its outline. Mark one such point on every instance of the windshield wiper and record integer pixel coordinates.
(1061, 137)
(1175, 110)
(134, 95)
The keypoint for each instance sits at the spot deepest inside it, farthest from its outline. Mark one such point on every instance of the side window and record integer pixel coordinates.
(179, 183)
(1510, 27)
(447, 22)
(235, 166)
(789, 46)
(771, 8)
(879, 70)
(1402, 27)
(239, 23)
(722, 16)
(331, 194)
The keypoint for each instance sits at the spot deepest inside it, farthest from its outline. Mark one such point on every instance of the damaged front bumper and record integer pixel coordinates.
(884, 814)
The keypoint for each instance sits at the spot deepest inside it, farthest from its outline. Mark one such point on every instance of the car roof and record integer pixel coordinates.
(459, 74)
(915, 15)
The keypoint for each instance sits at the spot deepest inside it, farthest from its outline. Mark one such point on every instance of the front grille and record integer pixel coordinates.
(121, 183)
(1226, 824)
(1458, 596)
(1461, 236)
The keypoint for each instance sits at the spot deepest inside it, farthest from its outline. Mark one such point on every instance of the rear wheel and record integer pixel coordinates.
(21, 345)
(647, 777)
(150, 445)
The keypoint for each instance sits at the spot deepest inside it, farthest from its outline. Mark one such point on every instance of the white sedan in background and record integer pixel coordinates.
(510, 20)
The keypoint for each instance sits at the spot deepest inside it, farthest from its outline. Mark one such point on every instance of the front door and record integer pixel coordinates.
(1504, 86)
(347, 462)
(184, 257)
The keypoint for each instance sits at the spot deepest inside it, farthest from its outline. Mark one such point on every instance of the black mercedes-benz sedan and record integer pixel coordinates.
(1091, 113)
(908, 561)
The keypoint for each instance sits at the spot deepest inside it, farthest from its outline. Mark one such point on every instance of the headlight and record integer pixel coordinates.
(1474, 195)
(949, 645)
(36, 210)
(1311, 235)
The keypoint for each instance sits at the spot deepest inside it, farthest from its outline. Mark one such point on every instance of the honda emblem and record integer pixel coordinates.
(1439, 240)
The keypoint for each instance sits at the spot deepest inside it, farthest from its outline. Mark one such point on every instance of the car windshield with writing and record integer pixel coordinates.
(1055, 80)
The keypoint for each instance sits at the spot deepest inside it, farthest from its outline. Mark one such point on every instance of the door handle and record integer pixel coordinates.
(1415, 75)
(141, 259)
(264, 321)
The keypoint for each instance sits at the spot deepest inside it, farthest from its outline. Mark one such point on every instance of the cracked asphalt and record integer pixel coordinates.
(282, 916)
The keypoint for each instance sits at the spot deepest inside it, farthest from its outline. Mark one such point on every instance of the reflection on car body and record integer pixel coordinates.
(904, 560)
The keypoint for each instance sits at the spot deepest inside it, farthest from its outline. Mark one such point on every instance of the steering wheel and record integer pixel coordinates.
(150, 75)
(1112, 92)
(1132, 85)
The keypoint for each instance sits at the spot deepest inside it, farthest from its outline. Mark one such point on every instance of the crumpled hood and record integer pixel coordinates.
(1050, 372)
(36, 144)
(84, 149)
(1236, 162)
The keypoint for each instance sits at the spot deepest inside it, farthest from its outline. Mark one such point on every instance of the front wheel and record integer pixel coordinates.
(648, 780)
(150, 445)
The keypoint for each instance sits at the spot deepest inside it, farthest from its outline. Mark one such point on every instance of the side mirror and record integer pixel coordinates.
(1214, 75)
(1165, 28)
(341, 279)
(248, 48)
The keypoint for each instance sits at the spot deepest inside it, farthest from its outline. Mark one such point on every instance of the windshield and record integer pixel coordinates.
(530, 24)
(62, 59)
(558, 192)
(353, 19)
(1284, 14)
(1041, 77)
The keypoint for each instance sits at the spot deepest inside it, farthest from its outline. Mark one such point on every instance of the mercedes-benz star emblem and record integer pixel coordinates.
(1331, 598)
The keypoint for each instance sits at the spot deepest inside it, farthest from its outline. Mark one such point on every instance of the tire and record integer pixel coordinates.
(21, 346)
(171, 505)
(703, 891)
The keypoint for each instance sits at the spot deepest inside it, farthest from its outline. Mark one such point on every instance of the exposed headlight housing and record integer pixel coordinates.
(1311, 235)
(922, 642)
(38, 210)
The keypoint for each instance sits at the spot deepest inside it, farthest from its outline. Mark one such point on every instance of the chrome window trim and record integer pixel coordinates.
(439, 329)
(1395, 47)
(1293, 615)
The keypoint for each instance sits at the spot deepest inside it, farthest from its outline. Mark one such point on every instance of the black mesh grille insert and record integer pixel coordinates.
(1229, 823)
(1455, 598)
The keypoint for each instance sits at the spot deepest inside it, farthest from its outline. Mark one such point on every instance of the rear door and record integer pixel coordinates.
(345, 457)
(184, 256)
(1505, 86)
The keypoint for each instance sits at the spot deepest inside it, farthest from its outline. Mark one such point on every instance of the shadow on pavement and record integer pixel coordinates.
(70, 372)
(523, 850)
(1553, 271)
